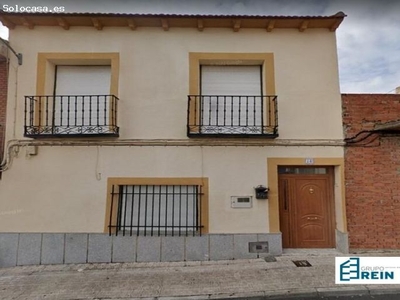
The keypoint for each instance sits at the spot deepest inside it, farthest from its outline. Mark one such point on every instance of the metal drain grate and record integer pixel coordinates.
(301, 263)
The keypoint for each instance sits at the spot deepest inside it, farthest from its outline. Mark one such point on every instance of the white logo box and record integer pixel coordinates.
(367, 270)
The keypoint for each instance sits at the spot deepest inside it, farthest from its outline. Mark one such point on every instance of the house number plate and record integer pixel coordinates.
(309, 161)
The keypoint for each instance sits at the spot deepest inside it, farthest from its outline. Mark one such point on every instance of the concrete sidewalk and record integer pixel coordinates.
(234, 279)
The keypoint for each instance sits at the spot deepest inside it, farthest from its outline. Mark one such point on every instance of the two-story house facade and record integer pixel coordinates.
(171, 137)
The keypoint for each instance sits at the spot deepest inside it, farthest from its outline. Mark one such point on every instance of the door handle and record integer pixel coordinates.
(312, 218)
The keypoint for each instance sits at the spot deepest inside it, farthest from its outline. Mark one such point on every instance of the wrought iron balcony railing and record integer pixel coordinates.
(232, 116)
(67, 115)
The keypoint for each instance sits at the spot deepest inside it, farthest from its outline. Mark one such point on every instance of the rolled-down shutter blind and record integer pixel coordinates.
(220, 88)
(83, 80)
(80, 81)
(231, 80)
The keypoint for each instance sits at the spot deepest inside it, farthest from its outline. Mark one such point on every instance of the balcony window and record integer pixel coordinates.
(80, 105)
(231, 103)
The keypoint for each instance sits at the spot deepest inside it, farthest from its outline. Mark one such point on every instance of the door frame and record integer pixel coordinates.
(339, 188)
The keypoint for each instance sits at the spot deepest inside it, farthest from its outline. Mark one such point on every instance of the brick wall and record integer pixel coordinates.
(372, 173)
(3, 101)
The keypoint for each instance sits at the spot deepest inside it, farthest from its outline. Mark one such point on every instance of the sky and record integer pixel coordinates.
(368, 40)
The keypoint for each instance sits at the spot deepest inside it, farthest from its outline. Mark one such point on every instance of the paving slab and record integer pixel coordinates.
(29, 249)
(99, 249)
(76, 248)
(291, 293)
(8, 249)
(237, 296)
(124, 249)
(52, 248)
(343, 291)
(383, 289)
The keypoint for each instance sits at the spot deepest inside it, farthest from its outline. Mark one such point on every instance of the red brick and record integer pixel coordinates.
(372, 173)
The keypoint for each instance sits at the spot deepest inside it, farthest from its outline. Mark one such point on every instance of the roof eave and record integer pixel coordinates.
(165, 21)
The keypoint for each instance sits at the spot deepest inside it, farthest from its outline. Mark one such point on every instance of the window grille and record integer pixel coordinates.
(156, 210)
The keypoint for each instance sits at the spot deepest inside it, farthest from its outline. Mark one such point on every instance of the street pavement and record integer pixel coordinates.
(234, 279)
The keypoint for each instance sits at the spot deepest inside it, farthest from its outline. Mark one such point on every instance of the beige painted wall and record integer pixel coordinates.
(58, 190)
(154, 69)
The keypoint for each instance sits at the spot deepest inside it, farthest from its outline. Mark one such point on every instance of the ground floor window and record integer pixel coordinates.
(171, 208)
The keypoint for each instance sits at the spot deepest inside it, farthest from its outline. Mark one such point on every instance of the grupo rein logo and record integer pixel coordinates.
(367, 270)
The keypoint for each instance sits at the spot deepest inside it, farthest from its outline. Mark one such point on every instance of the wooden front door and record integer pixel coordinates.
(306, 207)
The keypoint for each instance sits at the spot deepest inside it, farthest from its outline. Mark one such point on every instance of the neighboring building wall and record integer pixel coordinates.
(372, 173)
(3, 100)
